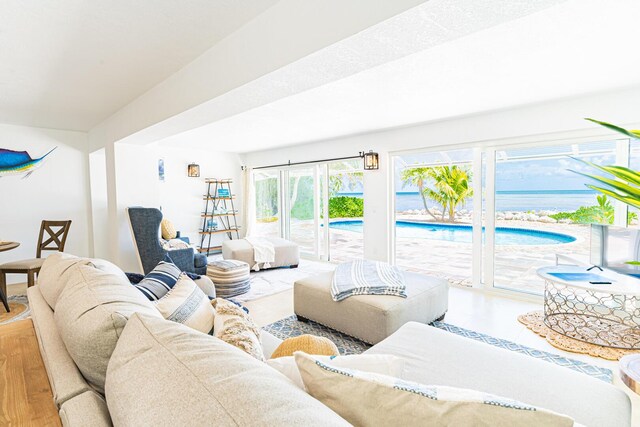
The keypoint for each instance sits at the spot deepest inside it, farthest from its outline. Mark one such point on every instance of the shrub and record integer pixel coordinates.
(346, 207)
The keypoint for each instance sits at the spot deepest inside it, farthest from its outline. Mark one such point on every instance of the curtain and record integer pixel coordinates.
(249, 205)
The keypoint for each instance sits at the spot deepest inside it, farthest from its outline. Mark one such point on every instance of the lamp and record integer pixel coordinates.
(370, 160)
(193, 170)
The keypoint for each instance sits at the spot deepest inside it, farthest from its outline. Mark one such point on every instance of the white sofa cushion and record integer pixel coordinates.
(54, 275)
(434, 356)
(368, 399)
(195, 379)
(90, 314)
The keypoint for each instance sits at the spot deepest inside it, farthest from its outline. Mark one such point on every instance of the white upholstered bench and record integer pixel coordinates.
(371, 318)
(287, 253)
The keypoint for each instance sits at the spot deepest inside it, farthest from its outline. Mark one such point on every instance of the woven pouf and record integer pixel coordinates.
(310, 344)
(230, 277)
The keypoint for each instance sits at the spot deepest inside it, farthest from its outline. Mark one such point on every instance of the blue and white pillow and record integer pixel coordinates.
(159, 281)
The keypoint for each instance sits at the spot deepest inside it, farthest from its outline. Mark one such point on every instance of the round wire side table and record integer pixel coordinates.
(606, 314)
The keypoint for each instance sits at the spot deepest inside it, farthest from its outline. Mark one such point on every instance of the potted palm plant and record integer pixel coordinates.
(619, 183)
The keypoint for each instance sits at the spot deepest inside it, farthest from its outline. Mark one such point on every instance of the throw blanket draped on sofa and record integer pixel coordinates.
(363, 277)
(263, 252)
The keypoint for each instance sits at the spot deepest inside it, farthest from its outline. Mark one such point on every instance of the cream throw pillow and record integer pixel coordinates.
(186, 303)
(90, 314)
(233, 326)
(367, 399)
(385, 364)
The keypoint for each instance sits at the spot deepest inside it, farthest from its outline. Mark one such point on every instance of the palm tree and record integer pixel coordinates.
(418, 177)
(451, 188)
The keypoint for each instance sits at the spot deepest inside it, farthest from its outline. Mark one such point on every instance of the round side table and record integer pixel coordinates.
(597, 307)
(630, 371)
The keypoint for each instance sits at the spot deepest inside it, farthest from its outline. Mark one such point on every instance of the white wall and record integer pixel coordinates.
(527, 124)
(58, 190)
(137, 183)
(181, 196)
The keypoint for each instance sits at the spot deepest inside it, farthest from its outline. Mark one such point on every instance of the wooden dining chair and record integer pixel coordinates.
(55, 239)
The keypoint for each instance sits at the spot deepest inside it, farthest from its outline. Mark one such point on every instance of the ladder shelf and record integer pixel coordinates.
(219, 204)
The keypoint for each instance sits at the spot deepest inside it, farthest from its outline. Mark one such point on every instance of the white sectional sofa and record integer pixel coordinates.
(163, 373)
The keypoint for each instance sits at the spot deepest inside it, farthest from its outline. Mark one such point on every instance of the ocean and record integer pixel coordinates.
(531, 200)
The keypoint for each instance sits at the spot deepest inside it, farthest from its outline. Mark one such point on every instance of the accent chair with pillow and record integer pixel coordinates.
(145, 230)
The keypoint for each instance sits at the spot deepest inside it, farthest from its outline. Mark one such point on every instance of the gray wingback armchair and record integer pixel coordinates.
(145, 228)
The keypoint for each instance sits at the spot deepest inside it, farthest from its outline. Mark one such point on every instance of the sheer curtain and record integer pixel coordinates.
(249, 205)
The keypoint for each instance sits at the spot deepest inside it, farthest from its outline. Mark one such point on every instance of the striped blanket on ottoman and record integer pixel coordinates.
(362, 277)
(230, 277)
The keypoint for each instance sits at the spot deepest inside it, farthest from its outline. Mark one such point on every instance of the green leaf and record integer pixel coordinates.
(621, 187)
(631, 133)
(633, 262)
(631, 201)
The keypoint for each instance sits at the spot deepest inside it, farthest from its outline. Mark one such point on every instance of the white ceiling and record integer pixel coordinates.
(69, 64)
(570, 49)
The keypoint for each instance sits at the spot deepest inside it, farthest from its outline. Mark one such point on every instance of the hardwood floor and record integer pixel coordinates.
(25, 393)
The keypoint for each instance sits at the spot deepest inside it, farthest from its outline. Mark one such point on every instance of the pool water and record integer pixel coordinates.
(463, 233)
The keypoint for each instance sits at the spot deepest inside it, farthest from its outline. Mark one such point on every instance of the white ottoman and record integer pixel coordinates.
(230, 277)
(371, 318)
(287, 253)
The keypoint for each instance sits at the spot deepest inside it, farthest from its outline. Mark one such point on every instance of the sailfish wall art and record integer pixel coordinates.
(19, 162)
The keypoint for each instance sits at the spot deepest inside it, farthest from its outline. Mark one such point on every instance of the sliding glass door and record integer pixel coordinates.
(490, 217)
(346, 210)
(543, 209)
(323, 211)
(434, 211)
(268, 220)
(302, 207)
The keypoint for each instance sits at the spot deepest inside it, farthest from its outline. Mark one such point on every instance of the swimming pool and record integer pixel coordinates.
(462, 233)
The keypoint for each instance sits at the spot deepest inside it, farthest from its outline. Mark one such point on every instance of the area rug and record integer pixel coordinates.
(269, 282)
(292, 327)
(535, 322)
(19, 306)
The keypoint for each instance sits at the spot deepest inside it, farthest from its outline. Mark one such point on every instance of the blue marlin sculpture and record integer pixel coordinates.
(19, 162)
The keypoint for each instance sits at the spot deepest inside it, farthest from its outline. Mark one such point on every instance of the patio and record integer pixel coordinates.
(515, 265)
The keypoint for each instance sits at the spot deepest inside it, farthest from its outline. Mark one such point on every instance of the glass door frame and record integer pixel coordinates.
(483, 260)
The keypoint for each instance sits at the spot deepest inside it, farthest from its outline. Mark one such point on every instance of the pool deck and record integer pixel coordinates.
(515, 265)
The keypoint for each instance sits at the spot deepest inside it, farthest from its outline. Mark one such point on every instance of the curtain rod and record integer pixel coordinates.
(359, 156)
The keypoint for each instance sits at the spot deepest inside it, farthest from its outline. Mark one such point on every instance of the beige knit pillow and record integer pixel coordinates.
(168, 230)
(233, 326)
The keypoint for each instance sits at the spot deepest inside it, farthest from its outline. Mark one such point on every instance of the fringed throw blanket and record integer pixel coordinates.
(367, 278)
(263, 252)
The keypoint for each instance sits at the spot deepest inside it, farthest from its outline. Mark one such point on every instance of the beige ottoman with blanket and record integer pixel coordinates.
(371, 318)
(287, 253)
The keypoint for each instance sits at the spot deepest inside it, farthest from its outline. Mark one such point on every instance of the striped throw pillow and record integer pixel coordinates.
(186, 303)
(159, 281)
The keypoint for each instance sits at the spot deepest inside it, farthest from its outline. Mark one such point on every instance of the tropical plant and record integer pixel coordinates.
(419, 177)
(451, 188)
(625, 185)
(346, 207)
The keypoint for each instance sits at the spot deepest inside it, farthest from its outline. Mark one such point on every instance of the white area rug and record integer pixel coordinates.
(269, 282)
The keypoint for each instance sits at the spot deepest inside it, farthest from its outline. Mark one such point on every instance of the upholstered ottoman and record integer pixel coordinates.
(371, 318)
(287, 253)
(230, 277)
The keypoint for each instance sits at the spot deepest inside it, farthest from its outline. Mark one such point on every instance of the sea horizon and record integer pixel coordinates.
(508, 200)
